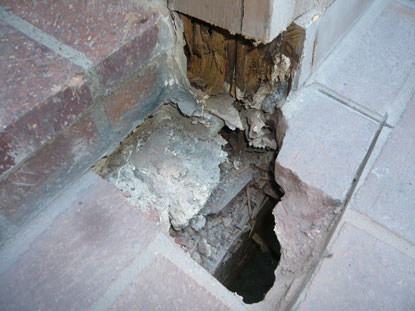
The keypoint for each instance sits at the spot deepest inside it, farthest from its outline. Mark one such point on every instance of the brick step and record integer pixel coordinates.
(91, 250)
(71, 93)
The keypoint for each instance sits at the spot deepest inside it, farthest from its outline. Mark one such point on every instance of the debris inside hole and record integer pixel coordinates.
(202, 182)
(253, 274)
(206, 177)
(233, 235)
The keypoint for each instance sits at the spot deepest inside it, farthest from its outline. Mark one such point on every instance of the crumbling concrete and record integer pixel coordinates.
(169, 165)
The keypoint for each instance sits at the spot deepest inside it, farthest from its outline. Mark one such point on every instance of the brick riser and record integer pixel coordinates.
(66, 103)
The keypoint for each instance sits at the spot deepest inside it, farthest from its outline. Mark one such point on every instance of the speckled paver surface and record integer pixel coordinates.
(370, 262)
(92, 250)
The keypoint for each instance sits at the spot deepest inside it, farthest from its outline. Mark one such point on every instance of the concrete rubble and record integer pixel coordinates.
(220, 225)
(169, 165)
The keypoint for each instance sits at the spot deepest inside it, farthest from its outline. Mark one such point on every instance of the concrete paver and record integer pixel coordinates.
(325, 142)
(388, 193)
(68, 265)
(363, 273)
(370, 265)
(162, 286)
(90, 250)
(372, 64)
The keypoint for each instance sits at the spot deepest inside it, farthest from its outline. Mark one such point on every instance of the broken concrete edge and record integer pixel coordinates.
(305, 281)
(304, 219)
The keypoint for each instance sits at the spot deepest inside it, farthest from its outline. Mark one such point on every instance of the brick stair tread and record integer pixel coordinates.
(90, 249)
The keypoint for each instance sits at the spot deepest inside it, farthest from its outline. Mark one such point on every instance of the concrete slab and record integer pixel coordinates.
(372, 65)
(388, 194)
(325, 141)
(362, 273)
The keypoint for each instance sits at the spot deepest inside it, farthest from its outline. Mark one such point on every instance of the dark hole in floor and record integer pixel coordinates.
(251, 272)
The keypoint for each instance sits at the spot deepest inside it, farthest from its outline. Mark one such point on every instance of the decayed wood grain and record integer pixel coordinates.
(219, 62)
(210, 55)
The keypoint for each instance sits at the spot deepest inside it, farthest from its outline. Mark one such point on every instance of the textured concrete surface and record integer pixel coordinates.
(388, 193)
(92, 250)
(176, 167)
(373, 70)
(362, 273)
(369, 264)
(324, 30)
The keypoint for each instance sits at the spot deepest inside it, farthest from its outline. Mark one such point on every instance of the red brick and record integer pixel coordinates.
(96, 28)
(164, 286)
(48, 170)
(128, 59)
(116, 35)
(74, 261)
(122, 106)
(30, 73)
(41, 94)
